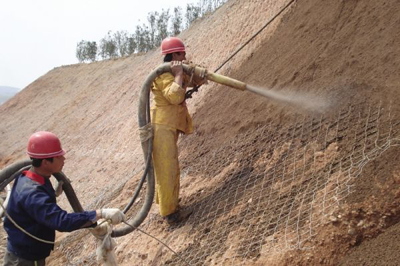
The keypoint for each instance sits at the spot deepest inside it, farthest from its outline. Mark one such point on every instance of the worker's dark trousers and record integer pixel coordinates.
(12, 260)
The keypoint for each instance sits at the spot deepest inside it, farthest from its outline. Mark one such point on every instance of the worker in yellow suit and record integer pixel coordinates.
(170, 117)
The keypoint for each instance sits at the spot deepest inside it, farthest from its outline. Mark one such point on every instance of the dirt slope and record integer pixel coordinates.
(246, 148)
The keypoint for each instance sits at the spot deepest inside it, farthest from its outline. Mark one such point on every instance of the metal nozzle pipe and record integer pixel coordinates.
(144, 119)
(220, 79)
(233, 83)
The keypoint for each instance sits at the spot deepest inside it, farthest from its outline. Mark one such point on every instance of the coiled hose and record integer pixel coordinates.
(147, 147)
(9, 173)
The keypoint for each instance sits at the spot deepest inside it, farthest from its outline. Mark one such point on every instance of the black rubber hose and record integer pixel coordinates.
(144, 119)
(12, 177)
(8, 174)
(140, 185)
(69, 192)
(148, 163)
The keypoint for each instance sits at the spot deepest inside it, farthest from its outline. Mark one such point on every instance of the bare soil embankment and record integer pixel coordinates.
(344, 52)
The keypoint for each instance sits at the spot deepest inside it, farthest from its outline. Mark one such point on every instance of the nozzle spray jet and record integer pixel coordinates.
(303, 100)
(147, 142)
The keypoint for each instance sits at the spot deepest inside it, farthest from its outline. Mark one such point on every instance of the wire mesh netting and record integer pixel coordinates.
(268, 189)
(279, 184)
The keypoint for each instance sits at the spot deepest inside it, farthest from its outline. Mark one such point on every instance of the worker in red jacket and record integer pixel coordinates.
(169, 118)
(33, 208)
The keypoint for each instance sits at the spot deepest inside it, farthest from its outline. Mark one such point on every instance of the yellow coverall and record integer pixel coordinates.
(169, 116)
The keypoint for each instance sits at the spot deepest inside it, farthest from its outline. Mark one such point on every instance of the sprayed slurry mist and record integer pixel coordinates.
(305, 101)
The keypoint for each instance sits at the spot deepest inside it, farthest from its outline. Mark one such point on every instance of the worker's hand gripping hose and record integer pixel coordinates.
(115, 216)
(197, 73)
(147, 143)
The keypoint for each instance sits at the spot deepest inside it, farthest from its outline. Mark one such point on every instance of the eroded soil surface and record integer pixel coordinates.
(269, 182)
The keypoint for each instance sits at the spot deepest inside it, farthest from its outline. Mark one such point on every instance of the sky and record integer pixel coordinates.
(39, 35)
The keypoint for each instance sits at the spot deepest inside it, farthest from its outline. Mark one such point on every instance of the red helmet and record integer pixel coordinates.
(172, 45)
(43, 145)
